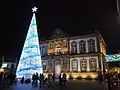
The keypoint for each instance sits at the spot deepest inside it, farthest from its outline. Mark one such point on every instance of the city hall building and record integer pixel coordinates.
(79, 57)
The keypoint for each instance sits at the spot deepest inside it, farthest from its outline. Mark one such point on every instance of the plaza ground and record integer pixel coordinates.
(71, 85)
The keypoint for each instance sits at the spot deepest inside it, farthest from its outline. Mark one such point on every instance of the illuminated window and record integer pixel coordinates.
(91, 45)
(65, 62)
(93, 64)
(74, 65)
(64, 44)
(44, 65)
(82, 46)
(51, 46)
(74, 47)
(83, 64)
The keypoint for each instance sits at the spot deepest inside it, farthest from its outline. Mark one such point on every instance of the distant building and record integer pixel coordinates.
(9, 63)
(81, 56)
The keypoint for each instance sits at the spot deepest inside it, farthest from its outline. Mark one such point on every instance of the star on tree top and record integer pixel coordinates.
(34, 9)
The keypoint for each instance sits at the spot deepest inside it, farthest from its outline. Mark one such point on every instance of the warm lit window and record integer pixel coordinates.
(91, 45)
(51, 45)
(74, 65)
(83, 64)
(82, 46)
(93, 64)
(74, 47)
(64, 44)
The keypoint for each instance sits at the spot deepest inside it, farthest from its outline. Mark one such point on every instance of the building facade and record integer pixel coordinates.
(9, 63)
(80, 56)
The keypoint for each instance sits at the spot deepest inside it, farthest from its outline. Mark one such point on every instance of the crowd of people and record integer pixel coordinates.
(37, 79)
(7, 79)
(45, 80)
(112, 79)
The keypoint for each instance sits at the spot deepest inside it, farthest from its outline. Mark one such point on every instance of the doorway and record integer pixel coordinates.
(57, 70)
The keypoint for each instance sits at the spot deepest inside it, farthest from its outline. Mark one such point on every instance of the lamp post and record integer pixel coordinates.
(118, 10)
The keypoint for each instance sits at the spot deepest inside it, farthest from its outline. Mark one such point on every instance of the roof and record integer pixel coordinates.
(57, 33)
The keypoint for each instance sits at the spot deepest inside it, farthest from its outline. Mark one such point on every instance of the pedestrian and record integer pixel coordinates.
(60, 80)
(109, 81)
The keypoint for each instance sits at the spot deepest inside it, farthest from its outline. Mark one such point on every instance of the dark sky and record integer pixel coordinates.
(72, 16)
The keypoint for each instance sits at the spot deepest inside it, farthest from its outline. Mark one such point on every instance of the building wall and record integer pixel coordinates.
(77, 40)
(10, 65)
(58, 46)
(73, 60)
(78, 59)
(44, 49)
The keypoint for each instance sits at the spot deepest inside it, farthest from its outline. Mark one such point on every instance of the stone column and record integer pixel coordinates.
(88, 65)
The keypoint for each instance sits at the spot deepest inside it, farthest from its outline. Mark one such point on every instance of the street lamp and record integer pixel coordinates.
(1, 70)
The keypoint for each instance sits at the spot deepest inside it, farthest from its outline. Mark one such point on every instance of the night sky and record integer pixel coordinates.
(72, 16)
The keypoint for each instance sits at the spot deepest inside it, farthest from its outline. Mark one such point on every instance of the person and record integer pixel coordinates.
(33, 79)
(60, 80)
(42, 77)
(100, 77)
(64, 78)
(49, 80)
(22, 80)
(36, 79)
(53, 77)
(108, 76)
(1, 77)
(45, 81)
(114, 81)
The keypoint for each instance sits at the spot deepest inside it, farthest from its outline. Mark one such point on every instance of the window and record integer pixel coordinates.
(44, 65)
(51, 46)
(93, 64)
(65, 64)
(74, 47)
(83, 64)
(74, 65)
(91, 45)
(58, 62)
(82, 46)
(64, 43)
(50, 64)
(58, 49)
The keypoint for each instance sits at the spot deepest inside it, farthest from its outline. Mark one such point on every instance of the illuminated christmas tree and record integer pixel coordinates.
(30, 60)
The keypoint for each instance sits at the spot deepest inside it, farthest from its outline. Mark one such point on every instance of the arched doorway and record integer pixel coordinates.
(57, 68)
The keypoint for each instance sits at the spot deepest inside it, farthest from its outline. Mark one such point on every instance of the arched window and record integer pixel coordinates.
(65, 64)
(91, 45)
(74, 47)
(74, 65)
(82, 45)
(64, 45)
(44, 65)
(93, 64)
(83, 65)
(58, 62)
(50, 45)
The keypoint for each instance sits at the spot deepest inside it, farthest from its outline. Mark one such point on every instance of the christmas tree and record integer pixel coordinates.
(30, 60)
